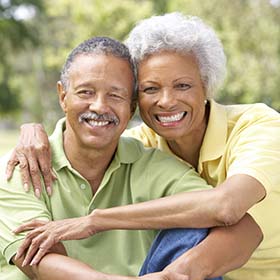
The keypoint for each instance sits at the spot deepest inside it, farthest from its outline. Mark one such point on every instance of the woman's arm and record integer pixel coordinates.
(225, 249)
(221, 206)
(224, 205)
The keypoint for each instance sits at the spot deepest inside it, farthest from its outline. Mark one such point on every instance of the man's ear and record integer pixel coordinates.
(62, 96)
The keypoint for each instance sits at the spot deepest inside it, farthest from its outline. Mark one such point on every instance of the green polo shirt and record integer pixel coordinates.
(135, 174)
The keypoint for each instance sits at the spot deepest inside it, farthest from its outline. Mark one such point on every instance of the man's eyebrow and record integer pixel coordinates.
(86, 85)
(119, 89)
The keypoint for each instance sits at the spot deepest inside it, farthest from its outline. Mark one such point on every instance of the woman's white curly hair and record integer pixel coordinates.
(183, 34)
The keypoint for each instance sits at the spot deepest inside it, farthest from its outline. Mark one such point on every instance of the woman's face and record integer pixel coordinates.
(171, 95)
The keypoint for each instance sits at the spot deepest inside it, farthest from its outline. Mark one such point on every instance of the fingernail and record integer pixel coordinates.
(37, 193)
(24, 263)
(49, 191)
(25, 186)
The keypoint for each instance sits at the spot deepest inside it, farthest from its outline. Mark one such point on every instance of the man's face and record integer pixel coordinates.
(97, 103)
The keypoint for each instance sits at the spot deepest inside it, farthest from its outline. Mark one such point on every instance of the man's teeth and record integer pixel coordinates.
(172, 118)
(98, 123)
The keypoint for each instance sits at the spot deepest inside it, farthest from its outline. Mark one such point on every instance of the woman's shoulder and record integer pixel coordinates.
(252, 111)
(144, 134)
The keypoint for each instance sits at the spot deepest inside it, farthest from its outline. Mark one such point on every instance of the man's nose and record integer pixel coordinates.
(98, 104)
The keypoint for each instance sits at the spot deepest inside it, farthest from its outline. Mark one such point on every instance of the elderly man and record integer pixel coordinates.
(95, 168)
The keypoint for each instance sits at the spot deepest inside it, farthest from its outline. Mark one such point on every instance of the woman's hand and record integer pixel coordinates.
(44, 235)
(33, 154)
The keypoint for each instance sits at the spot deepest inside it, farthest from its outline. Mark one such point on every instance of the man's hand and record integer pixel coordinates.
(191, 263)
(33, 154)
(165, 275)
(44, 235)
(31, 271)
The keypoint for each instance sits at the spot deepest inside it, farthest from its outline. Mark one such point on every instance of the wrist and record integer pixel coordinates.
(197, 265)
(97, 221)
(205, 264)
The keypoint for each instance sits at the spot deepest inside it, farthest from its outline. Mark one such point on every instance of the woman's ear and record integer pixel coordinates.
(62, 96)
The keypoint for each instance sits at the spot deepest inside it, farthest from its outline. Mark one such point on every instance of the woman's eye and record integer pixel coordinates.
(183, 86)
(116, 96)
(150, 90)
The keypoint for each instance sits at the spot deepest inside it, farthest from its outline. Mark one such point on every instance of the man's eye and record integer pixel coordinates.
(150, 90)
(85, 92)
(183, 86)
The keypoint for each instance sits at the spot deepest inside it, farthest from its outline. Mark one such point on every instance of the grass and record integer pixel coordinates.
(8, 140)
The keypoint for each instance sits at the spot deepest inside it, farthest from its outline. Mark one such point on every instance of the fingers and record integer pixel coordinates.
(34, 172)
(23, 165)
(36, 246)
(39, 255)
(33, 249)
(34, 224)
(12, 163)
(44, 248)
(30, 225)
(175, 276)
(181, 277)
(23, 247)
(44, 160)
(34, 155)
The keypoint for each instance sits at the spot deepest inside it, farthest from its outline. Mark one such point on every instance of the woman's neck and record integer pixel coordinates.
(188, 147)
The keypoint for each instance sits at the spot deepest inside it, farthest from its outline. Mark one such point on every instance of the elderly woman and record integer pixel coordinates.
(235, 148)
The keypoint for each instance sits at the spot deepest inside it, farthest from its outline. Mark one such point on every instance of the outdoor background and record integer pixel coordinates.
(36, 36)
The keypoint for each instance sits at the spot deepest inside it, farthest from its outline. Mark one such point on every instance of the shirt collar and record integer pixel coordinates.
(214, 141)
(128, 151)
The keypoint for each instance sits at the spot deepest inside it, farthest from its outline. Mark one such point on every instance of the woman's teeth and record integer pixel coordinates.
(173, 118)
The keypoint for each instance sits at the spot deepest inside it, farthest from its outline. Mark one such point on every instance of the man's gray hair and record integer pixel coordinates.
(182, 34)
(98, 45)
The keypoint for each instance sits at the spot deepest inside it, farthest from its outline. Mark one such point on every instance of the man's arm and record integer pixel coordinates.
(58, 267)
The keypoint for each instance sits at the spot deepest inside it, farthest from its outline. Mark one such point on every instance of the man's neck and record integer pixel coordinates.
(89, 162)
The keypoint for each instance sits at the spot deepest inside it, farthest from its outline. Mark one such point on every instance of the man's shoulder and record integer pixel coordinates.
(15, 180)
(3, 164)
(151, 157)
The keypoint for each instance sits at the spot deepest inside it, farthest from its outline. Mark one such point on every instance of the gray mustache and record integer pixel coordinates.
(99, 117)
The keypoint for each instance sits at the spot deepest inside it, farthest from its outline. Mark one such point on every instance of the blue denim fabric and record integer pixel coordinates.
(169, 245)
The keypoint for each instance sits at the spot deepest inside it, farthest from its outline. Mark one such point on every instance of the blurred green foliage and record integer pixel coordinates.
(32, 50)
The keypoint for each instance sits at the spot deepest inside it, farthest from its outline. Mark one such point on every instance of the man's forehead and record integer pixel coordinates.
(100, 62)
(89, 68)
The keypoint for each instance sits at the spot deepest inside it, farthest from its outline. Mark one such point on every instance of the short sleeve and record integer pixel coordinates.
(17, 207)
(144, 134)
(256, 152)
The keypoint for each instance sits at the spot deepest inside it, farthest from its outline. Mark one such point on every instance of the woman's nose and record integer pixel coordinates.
(167, 99)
